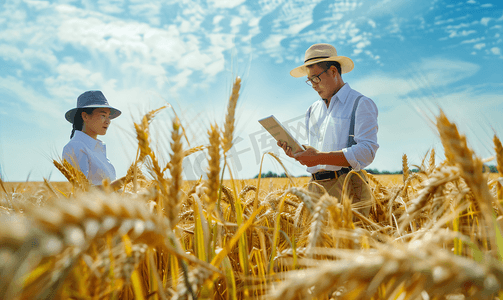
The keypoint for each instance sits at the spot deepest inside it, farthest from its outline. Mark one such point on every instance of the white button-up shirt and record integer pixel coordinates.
(328, 128)
(91, 157)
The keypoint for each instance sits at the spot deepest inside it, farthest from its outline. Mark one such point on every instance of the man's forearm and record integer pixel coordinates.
(333, 158)
(312, 157)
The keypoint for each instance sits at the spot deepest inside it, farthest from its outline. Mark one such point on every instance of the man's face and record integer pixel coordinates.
(327, 87)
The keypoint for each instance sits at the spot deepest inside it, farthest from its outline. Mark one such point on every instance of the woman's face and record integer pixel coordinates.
(96, 123)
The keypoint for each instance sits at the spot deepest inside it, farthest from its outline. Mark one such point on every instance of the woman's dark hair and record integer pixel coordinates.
(78, 122)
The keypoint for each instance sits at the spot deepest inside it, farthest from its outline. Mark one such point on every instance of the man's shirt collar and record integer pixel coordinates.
(342, 94)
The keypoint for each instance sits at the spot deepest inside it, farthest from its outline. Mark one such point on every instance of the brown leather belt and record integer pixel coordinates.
(327, 175)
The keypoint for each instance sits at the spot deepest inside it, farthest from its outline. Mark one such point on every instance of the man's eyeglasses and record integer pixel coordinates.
(315, 79)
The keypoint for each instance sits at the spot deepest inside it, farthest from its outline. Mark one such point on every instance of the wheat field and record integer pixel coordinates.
(434, 234)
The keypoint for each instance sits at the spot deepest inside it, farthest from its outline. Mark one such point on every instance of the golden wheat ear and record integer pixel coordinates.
(78, 180)
(213, 174)
(498, 148)
(230, 116)
(172, 202)
(458, 153)
(64, 230)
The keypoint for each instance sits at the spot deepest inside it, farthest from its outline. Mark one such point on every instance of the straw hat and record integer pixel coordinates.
(322, 52)
(91, 99)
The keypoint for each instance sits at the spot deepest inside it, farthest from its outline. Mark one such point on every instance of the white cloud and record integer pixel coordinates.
(111, 6)
(45, 108)
(217, 19)
(440, 72)
(214, 68)
(297, 27)
(222, 41)
(394, 27)
(487, 5)
(150, 11)
(441, 22)
(194, 60)
(479, 46)
(235, 24)
(148, 72)
(362, 44)
(460, 25)
(356, 39)
(432, 72)
(38, 4)
(166, 46)
(71, 79)
(254, 22)
(485, 21)
(462, 33)
(472, 41)
(226, 3)
(181, 79)
(359, 47)
(386, 8)
(106, 36)
(273, 41)
(190, 23)
(28, 57)
(133, 41)
(495, 50)
(379, 85)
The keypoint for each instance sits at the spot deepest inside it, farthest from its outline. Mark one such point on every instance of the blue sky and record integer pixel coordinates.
(411, 57)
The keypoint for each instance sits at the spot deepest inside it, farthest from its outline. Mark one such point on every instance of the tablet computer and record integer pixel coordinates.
(279, 132)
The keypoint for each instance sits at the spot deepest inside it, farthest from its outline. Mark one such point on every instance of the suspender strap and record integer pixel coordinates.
(351, 138)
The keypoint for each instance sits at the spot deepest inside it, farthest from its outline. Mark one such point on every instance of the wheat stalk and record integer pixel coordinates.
(498, 148)
(319, 215)
(78, 180)
(214, 167)
(230, 116)
(405, 168)
(142, 134)
(76, 224)
(173, 200)
(436, 180)
(431, 164)
(304, 196)
(298, 214)
(401, 271)
(458, 153)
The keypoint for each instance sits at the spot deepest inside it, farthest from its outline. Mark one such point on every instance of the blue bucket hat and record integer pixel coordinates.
(91, 99)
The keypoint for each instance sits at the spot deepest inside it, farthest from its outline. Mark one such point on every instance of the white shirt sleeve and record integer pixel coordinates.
(306, 121)
(363, 153)
(77, 157)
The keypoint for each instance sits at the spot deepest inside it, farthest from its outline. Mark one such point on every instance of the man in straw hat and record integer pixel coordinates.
(341, 128)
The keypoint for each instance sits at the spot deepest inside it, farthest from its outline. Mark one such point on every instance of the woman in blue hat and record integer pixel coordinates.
(91, 118)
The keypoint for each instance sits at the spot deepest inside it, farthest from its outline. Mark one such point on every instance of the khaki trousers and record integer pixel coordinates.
(358, 190)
